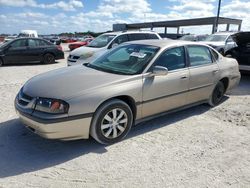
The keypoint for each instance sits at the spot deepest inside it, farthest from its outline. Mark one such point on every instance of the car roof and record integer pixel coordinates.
(129, 32)
(164, 43)
(224, 33)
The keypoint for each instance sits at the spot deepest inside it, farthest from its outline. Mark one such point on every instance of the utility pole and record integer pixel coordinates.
(217, 18)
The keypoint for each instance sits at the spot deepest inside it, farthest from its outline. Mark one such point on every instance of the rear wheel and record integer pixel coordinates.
(217, 94)
(1, 62)
(49, 58)
(112, 122)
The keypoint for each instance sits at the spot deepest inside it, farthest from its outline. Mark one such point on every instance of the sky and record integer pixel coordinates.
(57, 16)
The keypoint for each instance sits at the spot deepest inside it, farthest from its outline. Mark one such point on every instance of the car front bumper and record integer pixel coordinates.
(63, 129)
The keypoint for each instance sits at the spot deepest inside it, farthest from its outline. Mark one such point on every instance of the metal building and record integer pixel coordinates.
(180, 23)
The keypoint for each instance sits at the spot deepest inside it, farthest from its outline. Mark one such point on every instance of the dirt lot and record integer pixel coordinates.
(197, 147)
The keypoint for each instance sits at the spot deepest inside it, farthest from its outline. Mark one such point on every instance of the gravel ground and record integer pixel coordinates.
(197, 147)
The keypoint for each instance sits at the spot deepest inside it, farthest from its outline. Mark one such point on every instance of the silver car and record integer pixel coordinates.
(133, 82)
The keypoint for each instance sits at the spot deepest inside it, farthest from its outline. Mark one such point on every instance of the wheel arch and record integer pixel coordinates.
(225, 82)
(125, 98)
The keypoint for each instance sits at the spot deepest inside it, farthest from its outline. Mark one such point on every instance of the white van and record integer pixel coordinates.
(104, 42)
(28, 33)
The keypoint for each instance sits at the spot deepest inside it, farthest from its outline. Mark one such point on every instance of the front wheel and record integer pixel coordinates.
(217, 94)
(111, 122)
(1, 62)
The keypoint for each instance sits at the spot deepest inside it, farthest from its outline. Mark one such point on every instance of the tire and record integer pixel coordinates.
(1, 62)
(217, 94)
(107, 129)
(49, 58)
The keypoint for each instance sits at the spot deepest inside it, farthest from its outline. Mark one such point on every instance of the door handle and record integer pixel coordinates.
(184, 77)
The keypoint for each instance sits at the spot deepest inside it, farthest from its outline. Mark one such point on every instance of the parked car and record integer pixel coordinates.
(242, 51)
(29, 50)
(133, 81)
(78, 44)
(55, 40)
(193, 37)
(221, 41)
(9, 38)
(104, 42)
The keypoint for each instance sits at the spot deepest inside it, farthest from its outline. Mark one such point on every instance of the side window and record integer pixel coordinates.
(136, 36)
(151, 36)
(120, 39)
(19, 43)
(33, 43)
(214, 54)
(43, 43)
(172, 59)
(199, 55)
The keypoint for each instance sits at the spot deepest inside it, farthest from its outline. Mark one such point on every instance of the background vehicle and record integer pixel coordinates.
(55, 40)
(83, 42)
(29, 50)
(222, 41)
(104, 42)
(242, 51)
(9, 38)
(133, 81)
(28, 33)
(193, 37)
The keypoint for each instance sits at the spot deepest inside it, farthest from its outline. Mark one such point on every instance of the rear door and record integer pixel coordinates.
(17, 52)
(162, 93)
(203, 73)
(35, 50)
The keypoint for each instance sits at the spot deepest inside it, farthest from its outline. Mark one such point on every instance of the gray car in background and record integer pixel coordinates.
(132, 82)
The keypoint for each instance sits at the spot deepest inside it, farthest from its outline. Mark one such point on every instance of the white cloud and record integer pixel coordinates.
(70, 5)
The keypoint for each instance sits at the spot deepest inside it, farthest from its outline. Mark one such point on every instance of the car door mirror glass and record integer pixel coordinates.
(159, 71)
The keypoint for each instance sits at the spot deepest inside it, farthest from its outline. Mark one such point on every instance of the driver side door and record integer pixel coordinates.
(17, 52)
(162, 93)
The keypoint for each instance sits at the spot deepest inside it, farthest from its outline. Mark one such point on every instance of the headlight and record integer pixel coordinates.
(54, 106)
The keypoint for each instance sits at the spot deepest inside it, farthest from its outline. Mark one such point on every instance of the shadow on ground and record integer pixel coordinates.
(28, 64)
(243, 87)
(22, 151)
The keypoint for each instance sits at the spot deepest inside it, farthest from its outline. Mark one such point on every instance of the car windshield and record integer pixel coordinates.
(101, 41)
(215, 38)
(128, 59)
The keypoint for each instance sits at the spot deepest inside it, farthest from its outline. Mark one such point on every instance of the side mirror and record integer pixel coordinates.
(159, 71)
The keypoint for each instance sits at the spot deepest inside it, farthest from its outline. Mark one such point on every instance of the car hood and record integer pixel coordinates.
(69, 82)
(213, 43)
(77, 43)
(241, 38)
(84, 50)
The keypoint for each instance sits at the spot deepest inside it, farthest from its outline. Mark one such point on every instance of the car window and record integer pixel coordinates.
(172, 59)
(33, 43)
(230, 39)
(120, 39)
(136, 36)
(199, 55)
(214, 54)
(43, 43)
(151, 36)
(19, 43)
(125, 59)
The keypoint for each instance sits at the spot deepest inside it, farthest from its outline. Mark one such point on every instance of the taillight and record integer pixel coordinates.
(59, 47)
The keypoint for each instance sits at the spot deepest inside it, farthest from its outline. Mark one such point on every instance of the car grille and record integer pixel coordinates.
(74, 57)
(24, 99)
